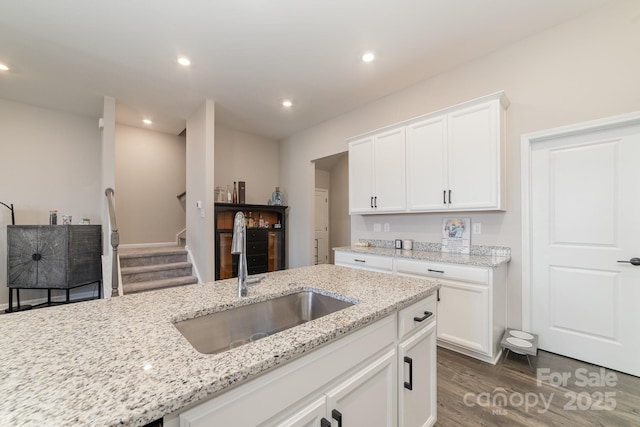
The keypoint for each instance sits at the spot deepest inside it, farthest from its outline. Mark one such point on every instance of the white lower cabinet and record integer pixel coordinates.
(417, 363)
(366, 398)
(471, 305)
(353, 381)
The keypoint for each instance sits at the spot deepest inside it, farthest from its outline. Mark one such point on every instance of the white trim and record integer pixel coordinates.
(193, 264)
(526, 142)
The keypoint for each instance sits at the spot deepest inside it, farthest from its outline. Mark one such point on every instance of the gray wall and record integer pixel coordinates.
(150, 173)
(50, 160)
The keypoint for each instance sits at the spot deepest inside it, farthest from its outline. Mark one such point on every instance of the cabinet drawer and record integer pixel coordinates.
(256, 235)
(364, 261)
(257, 248)
(443, 271)
(424, 310)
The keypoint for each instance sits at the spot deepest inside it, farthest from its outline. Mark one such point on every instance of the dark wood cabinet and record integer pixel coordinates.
(265, 245)
(53, 257)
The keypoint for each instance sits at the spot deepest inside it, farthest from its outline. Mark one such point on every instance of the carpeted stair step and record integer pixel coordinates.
(152, 257)
(147, 273)
(132, 288)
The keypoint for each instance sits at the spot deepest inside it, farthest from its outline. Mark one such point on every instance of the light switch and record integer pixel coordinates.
(199, 204)
(477, 228)
(202, 212)
(387, 227)
(377, 227)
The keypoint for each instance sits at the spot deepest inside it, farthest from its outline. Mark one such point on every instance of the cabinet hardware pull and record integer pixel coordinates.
(444, 197)
(427, 314)
(438, 295)
(371, 202)
(375, 202)
(633, 261)
(359, 260)
(436, 271)
(449, 196)
(336, 415)
(325, 422)
(409, 385)
(36, 257)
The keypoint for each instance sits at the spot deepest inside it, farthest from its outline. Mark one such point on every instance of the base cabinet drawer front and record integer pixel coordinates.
(441, 270)
(364, 261)
(417, 403)
(416, 316)
(463, 315)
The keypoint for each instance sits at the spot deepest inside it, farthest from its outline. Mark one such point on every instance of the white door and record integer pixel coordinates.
(585, 218)
(321, 221)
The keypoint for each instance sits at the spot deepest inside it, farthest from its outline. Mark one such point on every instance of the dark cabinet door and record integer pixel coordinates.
(37, 257)
(52, 266)
(22, 265)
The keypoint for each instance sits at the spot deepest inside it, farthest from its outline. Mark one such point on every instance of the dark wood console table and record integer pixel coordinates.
(53, 257)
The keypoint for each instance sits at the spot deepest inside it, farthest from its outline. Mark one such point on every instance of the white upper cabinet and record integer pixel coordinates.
(427, 164)
(455, 160)
(377, 173)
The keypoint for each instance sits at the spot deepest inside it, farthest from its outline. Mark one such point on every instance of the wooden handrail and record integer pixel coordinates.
(115, 240)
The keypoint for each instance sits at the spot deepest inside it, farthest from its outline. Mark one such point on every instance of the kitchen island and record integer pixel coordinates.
(121, 361)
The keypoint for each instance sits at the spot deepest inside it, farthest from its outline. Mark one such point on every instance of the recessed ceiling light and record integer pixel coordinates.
(368, 57)
(147, 121)
(184, 61)
(287, 103)
(4, 67)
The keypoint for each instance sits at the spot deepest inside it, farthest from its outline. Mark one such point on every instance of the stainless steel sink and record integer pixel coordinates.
(221, 331)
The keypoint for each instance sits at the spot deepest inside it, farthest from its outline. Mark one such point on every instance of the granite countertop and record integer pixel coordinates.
(122, 362)
(450, 258)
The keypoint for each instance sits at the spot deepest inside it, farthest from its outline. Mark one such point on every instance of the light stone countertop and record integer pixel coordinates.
(449, 258)
(121, 361)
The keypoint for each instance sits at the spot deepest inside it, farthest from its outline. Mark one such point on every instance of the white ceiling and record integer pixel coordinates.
(248, 55)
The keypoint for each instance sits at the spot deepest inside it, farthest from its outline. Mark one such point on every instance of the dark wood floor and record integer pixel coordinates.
(473, 393)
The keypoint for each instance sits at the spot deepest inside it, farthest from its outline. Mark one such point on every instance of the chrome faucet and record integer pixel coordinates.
(239, 247)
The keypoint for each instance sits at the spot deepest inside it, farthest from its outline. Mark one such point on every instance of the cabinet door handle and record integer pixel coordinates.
(427, 314)
(371, 202)
(359, 260)
(444, 197)
(336, 415)
(375, 202)
(36, 257)
(633, 261)
(325, 422)
(435, 271)
(409, 385)
(449, 196)
(438, 295)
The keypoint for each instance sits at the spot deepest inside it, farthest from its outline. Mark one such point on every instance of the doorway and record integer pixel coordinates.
(332, 175)
(580, 232)
(321, 228)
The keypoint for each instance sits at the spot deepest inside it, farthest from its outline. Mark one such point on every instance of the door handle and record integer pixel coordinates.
(325, 422)
(633, 261)
(409, 385)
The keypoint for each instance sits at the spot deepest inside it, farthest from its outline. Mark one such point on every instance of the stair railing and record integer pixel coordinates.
(115, 240)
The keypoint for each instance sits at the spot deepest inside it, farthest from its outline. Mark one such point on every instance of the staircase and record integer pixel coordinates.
(147, 269)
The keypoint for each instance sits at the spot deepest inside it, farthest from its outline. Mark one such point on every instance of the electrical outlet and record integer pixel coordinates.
(377, 227)
(387, 227)
(477, 228)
